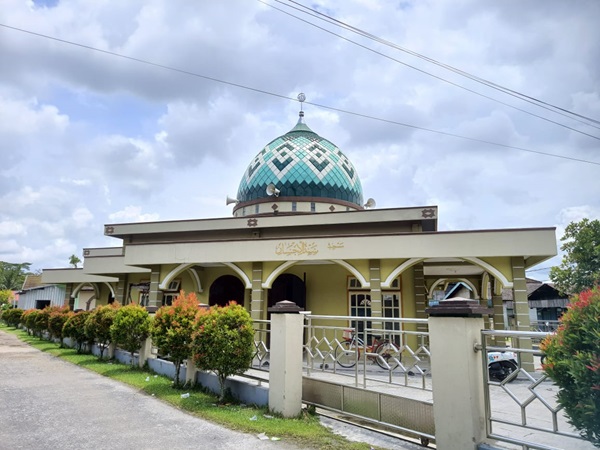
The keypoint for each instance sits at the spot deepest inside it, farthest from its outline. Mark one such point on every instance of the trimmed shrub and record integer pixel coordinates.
(130, 328)
(97, 325)
(74, 328)
(40, 324)
(573, 362)
(56, 322)
(29, 319)
(172, 329)
(223, 342)
(12, 317)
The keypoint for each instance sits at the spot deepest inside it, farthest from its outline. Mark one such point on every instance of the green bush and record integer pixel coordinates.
(74, 328)
(29, 320)
(97, 325)
(172, 329)
(41, 320)
(56, 322)
(130, 328)
(12, 316)
(573, 362)
(223, 342)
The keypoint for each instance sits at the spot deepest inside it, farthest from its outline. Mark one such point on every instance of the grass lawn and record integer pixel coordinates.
(305, 431)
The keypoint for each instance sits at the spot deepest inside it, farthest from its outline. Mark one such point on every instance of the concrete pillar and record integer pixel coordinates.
(257, 299)
(523, 322)
(155, 295)
(375, 281)
(498, 306)
(420, 294)
(285, 373)
(121, 294)
(190, 372)
(458, 387)
(145, 352)
(69, 301)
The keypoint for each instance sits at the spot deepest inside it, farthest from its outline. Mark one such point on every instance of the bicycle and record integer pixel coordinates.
(385, 353)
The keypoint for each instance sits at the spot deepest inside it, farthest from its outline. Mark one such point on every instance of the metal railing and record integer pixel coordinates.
(546, 326)
(262, 338)
(369, 349)
(522, 409)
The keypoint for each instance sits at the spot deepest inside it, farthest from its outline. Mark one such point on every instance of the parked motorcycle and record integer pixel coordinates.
(501, 365)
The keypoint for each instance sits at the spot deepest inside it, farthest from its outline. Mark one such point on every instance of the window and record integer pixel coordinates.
(256, 209)
(294, 206)
(143, 298)
(41, 304)
(168, 299)
(353, 283)
(173, 285)
(313, 207)
(360, 306)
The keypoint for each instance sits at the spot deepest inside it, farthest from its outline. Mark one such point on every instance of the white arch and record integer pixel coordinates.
(172, 274)
(278, 271)
(354, 271)
(491, 269)
(111, 288)
(195, 278)
(241, 274)
(485, 279)
(443, 280)
(81, 285)
(398, 270)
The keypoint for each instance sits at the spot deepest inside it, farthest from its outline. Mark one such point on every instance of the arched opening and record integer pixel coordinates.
(290, 287)
(225, 289)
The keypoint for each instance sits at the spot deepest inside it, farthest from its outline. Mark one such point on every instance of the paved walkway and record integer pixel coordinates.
(47, 403)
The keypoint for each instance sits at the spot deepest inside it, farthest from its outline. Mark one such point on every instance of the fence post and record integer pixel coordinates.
(145, 352)
(190, 372)
(458, 388)
(285, 371)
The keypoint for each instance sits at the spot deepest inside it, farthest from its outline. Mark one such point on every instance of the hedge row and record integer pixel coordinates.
(220, 339)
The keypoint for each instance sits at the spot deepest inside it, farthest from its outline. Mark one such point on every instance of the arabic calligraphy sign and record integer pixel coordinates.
(299, 248)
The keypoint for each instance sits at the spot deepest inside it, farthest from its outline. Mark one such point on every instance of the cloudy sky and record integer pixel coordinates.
(90, 134)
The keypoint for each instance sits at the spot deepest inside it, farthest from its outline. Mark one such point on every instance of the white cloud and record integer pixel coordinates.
(12, 228)
(133, 214)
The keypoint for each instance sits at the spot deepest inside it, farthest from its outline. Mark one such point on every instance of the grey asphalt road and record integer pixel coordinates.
(46, 403)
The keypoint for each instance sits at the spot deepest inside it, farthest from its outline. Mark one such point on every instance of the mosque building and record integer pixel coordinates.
(302, 231)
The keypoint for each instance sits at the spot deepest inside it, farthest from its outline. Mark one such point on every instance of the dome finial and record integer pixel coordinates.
(301, 98)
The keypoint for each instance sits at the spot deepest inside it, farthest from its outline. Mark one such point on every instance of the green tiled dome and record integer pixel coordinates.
(301, 164)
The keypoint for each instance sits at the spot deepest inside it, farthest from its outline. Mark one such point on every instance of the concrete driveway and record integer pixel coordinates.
(47, 403)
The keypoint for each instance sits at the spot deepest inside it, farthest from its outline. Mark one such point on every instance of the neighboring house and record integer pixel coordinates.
(450, 290)
(302, 231)
(546, 304)
(35, 294)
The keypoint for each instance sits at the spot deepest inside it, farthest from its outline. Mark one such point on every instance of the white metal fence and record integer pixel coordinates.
(522, 409)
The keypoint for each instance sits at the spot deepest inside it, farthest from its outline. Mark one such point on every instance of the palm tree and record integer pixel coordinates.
(74, 260)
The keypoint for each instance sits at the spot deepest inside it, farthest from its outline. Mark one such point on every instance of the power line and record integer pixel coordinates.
(427, 73)
(262, 91)
(540, 103)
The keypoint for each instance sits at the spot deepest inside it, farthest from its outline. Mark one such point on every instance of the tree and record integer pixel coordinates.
(580, 267)
(130, 328)
(223, 342)
(12, 275)
(97, 325)
(573, 362)
(6, 297)
(74, 260)
(172, 329)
